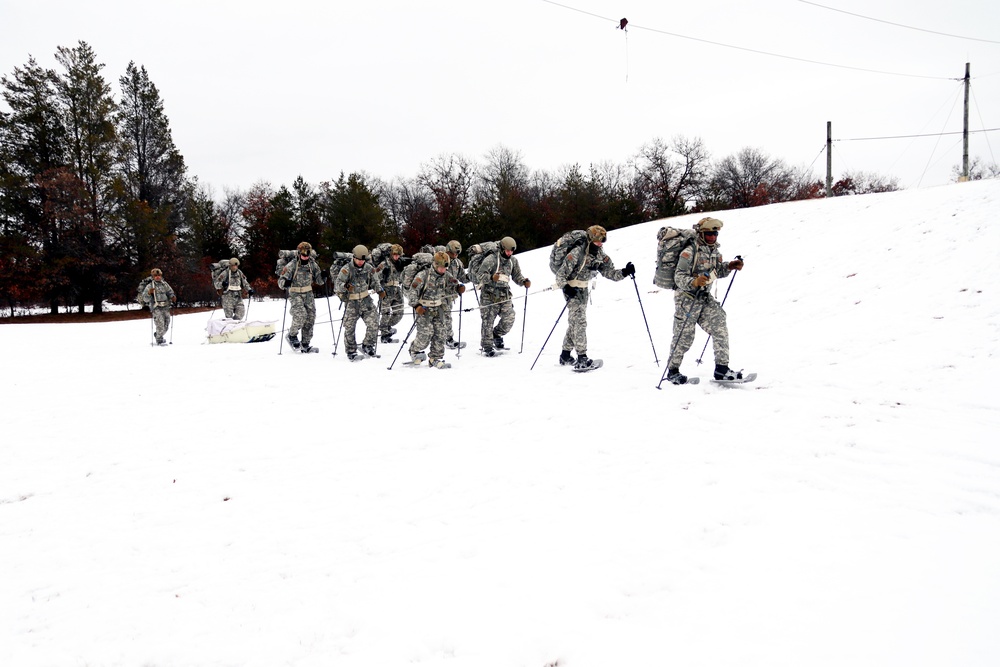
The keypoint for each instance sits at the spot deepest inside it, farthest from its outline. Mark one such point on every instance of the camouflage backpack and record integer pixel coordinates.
(478, 253)
(419, 262)
(380, 252)
(670, 241)
(286, 256)
(143, 286)
(562, 247)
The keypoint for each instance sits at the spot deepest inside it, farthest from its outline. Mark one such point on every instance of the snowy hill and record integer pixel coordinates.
(226, 505)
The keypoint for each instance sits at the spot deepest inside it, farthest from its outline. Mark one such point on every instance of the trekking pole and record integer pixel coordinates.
(284, 313)
(171, 326)
(403, 344)
(152, 330)
(634, 284)
(673, 347)
(329, 311)
(549, 336)
(724, 297)
(524, 320)
(340, 329)
(458, 352)
(378, 325)
(246, 313)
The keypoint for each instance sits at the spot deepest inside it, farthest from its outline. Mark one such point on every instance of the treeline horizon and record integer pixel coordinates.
(94, 194)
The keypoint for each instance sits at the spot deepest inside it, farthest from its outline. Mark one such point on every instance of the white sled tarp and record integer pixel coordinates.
(237, 331)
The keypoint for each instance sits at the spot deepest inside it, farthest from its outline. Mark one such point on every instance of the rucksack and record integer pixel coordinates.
(217, 269)
(670, 241)
(285, 256)
(380, 252)
(563, 246)
(419, 262)
(477, 253)
(143, 286)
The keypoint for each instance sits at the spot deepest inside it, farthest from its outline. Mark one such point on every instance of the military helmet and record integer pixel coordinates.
(441, 259)
(234, 262)
(156, 272)
(597, 234)
(305, 247)
(507, 243)
(708, 225)
(396, 249)
(428, 248)
(360, 252)
(455, 247)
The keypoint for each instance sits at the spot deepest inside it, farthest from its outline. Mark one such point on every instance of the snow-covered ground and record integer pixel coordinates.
(220, 505)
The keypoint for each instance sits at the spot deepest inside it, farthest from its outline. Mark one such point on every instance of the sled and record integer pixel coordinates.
(238, 331)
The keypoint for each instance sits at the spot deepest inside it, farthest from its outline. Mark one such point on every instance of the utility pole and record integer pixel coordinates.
(965, 129)
(829, 158)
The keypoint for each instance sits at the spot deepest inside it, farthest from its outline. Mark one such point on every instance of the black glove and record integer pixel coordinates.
(250, 291)
(569, 291)
(325, 273)
(629, 270)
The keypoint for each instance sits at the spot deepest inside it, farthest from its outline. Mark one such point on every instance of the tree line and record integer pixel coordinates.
(94, 193)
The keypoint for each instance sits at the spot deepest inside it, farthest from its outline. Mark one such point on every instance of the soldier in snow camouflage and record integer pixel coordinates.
(580, 265)
(697, 268)
(355, 281)
(429, 296)
(495, 275)
(456, 269)
(298, 277)
(233, 287)
(159, 296)
(390, 271)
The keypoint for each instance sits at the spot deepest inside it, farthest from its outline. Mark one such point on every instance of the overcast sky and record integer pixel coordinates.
(273, 90)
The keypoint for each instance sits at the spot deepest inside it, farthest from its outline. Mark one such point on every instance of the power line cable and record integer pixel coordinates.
(749, 50)
(898, 25)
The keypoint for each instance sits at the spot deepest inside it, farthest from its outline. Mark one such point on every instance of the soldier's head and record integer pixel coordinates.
(396, 251)
(708, 230)
(156, 274)
(597, 234)
(508, 245)
(305, 249)
(428, 248)
(454, 249)
(441, 261)
(360, 253)
(234, 263)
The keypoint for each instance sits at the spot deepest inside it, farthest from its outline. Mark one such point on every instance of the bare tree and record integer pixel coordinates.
(668, 177)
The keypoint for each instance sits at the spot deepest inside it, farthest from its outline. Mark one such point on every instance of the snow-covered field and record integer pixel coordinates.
(226, 505)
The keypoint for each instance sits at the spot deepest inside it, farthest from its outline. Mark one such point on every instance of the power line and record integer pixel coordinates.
(917, 136)
(898, 25)
(749, 50)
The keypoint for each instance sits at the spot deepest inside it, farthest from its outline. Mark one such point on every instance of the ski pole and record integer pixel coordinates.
(524, 320)
(677, 339)
(403, 344)
(378, 324)
(458, 352)
(284, 313)
(152, 331)
(340, 330)
(549, 336)
(724, 297)
(634, 284)
(333, 334)
(171, 316)
(246, 314)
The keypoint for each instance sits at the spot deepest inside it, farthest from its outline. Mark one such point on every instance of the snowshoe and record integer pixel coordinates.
(452, 344)
(306, 349)
(293, 341)
(439, 363)
(566, 358)
(585, 363)
(674, 376)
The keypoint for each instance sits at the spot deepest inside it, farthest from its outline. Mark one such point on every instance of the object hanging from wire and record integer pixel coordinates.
(622, 24)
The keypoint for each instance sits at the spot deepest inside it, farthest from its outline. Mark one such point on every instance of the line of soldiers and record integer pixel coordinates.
(432, 290)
